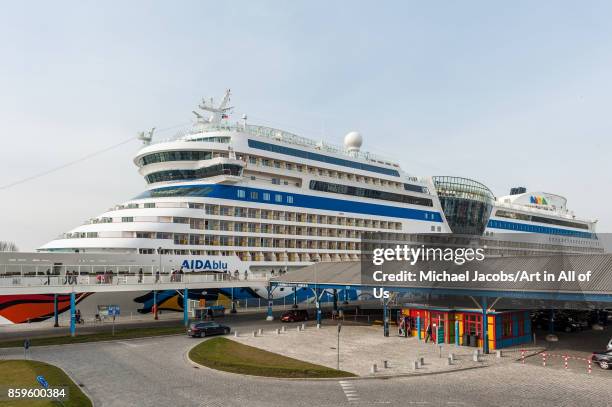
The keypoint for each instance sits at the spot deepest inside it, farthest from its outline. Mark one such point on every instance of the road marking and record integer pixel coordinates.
(349, 391)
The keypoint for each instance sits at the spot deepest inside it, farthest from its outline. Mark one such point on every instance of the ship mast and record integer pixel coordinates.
(218, 113)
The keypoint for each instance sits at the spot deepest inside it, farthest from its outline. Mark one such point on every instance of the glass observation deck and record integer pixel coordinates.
(466, 203)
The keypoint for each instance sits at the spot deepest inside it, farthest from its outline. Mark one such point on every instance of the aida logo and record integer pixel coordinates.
(204, 264)
(538, 200)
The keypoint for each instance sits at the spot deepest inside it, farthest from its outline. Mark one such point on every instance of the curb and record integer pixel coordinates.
(102, 341)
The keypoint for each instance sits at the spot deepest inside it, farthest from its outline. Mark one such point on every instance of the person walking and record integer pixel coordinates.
(428, 333)
(140, 273)
(48, 277)
(157, 276)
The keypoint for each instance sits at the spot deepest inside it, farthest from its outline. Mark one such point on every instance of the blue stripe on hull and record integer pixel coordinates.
(524, 227)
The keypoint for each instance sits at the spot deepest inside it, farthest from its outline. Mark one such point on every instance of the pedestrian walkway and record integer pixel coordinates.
(362, 347)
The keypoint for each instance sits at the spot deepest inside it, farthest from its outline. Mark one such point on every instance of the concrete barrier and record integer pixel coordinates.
(498, 353)
(414, 364)
(374, 368)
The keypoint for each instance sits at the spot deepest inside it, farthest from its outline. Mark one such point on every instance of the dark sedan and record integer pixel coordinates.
(200, 329)
(603, 359)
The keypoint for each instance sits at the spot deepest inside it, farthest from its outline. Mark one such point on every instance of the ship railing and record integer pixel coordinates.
(12, 275)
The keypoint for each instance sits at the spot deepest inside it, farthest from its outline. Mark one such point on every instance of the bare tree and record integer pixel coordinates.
(8, 247)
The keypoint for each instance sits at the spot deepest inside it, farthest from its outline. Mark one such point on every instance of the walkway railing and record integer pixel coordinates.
(109, 275)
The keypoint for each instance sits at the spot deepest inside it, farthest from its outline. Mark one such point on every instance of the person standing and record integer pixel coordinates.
(428, 333)
(140, 276)
(48, 277)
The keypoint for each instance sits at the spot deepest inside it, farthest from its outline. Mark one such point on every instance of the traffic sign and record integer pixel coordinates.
(43, 382)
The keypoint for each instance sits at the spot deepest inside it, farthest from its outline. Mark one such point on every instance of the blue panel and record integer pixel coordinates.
(523, 227)
(321, 157)
(294, 200)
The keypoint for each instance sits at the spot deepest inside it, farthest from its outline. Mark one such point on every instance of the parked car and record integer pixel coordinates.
(561, 323)
(200, 329)
(609, 347)
(295, 315)
(603, 359)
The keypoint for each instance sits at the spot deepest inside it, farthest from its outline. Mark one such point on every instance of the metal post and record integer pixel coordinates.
(186, 306)
(318, 305)
(269, 317)
(295, 301)
(338, 347)
(55, 314)
(419, 328)
(385, 318)
(72, 314)
(485, 327)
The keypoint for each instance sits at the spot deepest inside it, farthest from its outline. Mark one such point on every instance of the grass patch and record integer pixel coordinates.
(95, 337)
(230, 356)
(22, 374)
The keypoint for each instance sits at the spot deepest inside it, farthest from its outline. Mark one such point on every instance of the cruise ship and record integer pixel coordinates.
(239, 197)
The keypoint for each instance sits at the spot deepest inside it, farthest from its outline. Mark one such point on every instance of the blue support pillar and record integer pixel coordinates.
(385, 318)
(457, 333)
(295, 301)
(419, 328)
(551, 322)
(318, 304)
(154, 304)
(485, 327)
(270, 316)
(72, 314)
(186, 306)
(55, 313)
(233, 311)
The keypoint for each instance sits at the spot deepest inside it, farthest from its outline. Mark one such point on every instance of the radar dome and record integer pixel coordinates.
(353, 141)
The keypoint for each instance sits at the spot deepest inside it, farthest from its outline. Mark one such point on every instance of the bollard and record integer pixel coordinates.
(303, 327)
(414, 364)
(449, 361)
(297, 328)
(254, 334)
(523, 356)
(544, 359)
(451, 356)
(421, 361)
(589, 367)
(260, 332)
(284, 329)
(386, 364)
(565, 362)
(374, 368)
(318, 326)
(498, 353)
(278, 331)
(475, 356)
(235, 334)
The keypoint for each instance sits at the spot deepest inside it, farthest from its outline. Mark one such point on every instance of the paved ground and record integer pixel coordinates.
(363, 346)
(155, 372)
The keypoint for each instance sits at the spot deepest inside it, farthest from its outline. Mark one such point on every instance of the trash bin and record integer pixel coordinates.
(474, 341)
(466, 340)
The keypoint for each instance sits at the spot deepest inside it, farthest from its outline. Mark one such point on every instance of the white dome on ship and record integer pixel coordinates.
(353, 141)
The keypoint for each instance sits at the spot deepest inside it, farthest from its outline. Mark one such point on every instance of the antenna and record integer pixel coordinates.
(219, 112)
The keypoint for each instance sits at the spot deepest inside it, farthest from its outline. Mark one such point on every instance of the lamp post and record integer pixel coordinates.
(159, 251)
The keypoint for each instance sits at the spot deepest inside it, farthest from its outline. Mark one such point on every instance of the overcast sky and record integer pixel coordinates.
(507, 93)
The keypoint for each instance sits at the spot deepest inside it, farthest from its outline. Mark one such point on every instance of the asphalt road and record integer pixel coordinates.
(155, 372)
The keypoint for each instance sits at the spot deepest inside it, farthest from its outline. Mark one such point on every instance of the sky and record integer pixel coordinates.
(507, 93)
